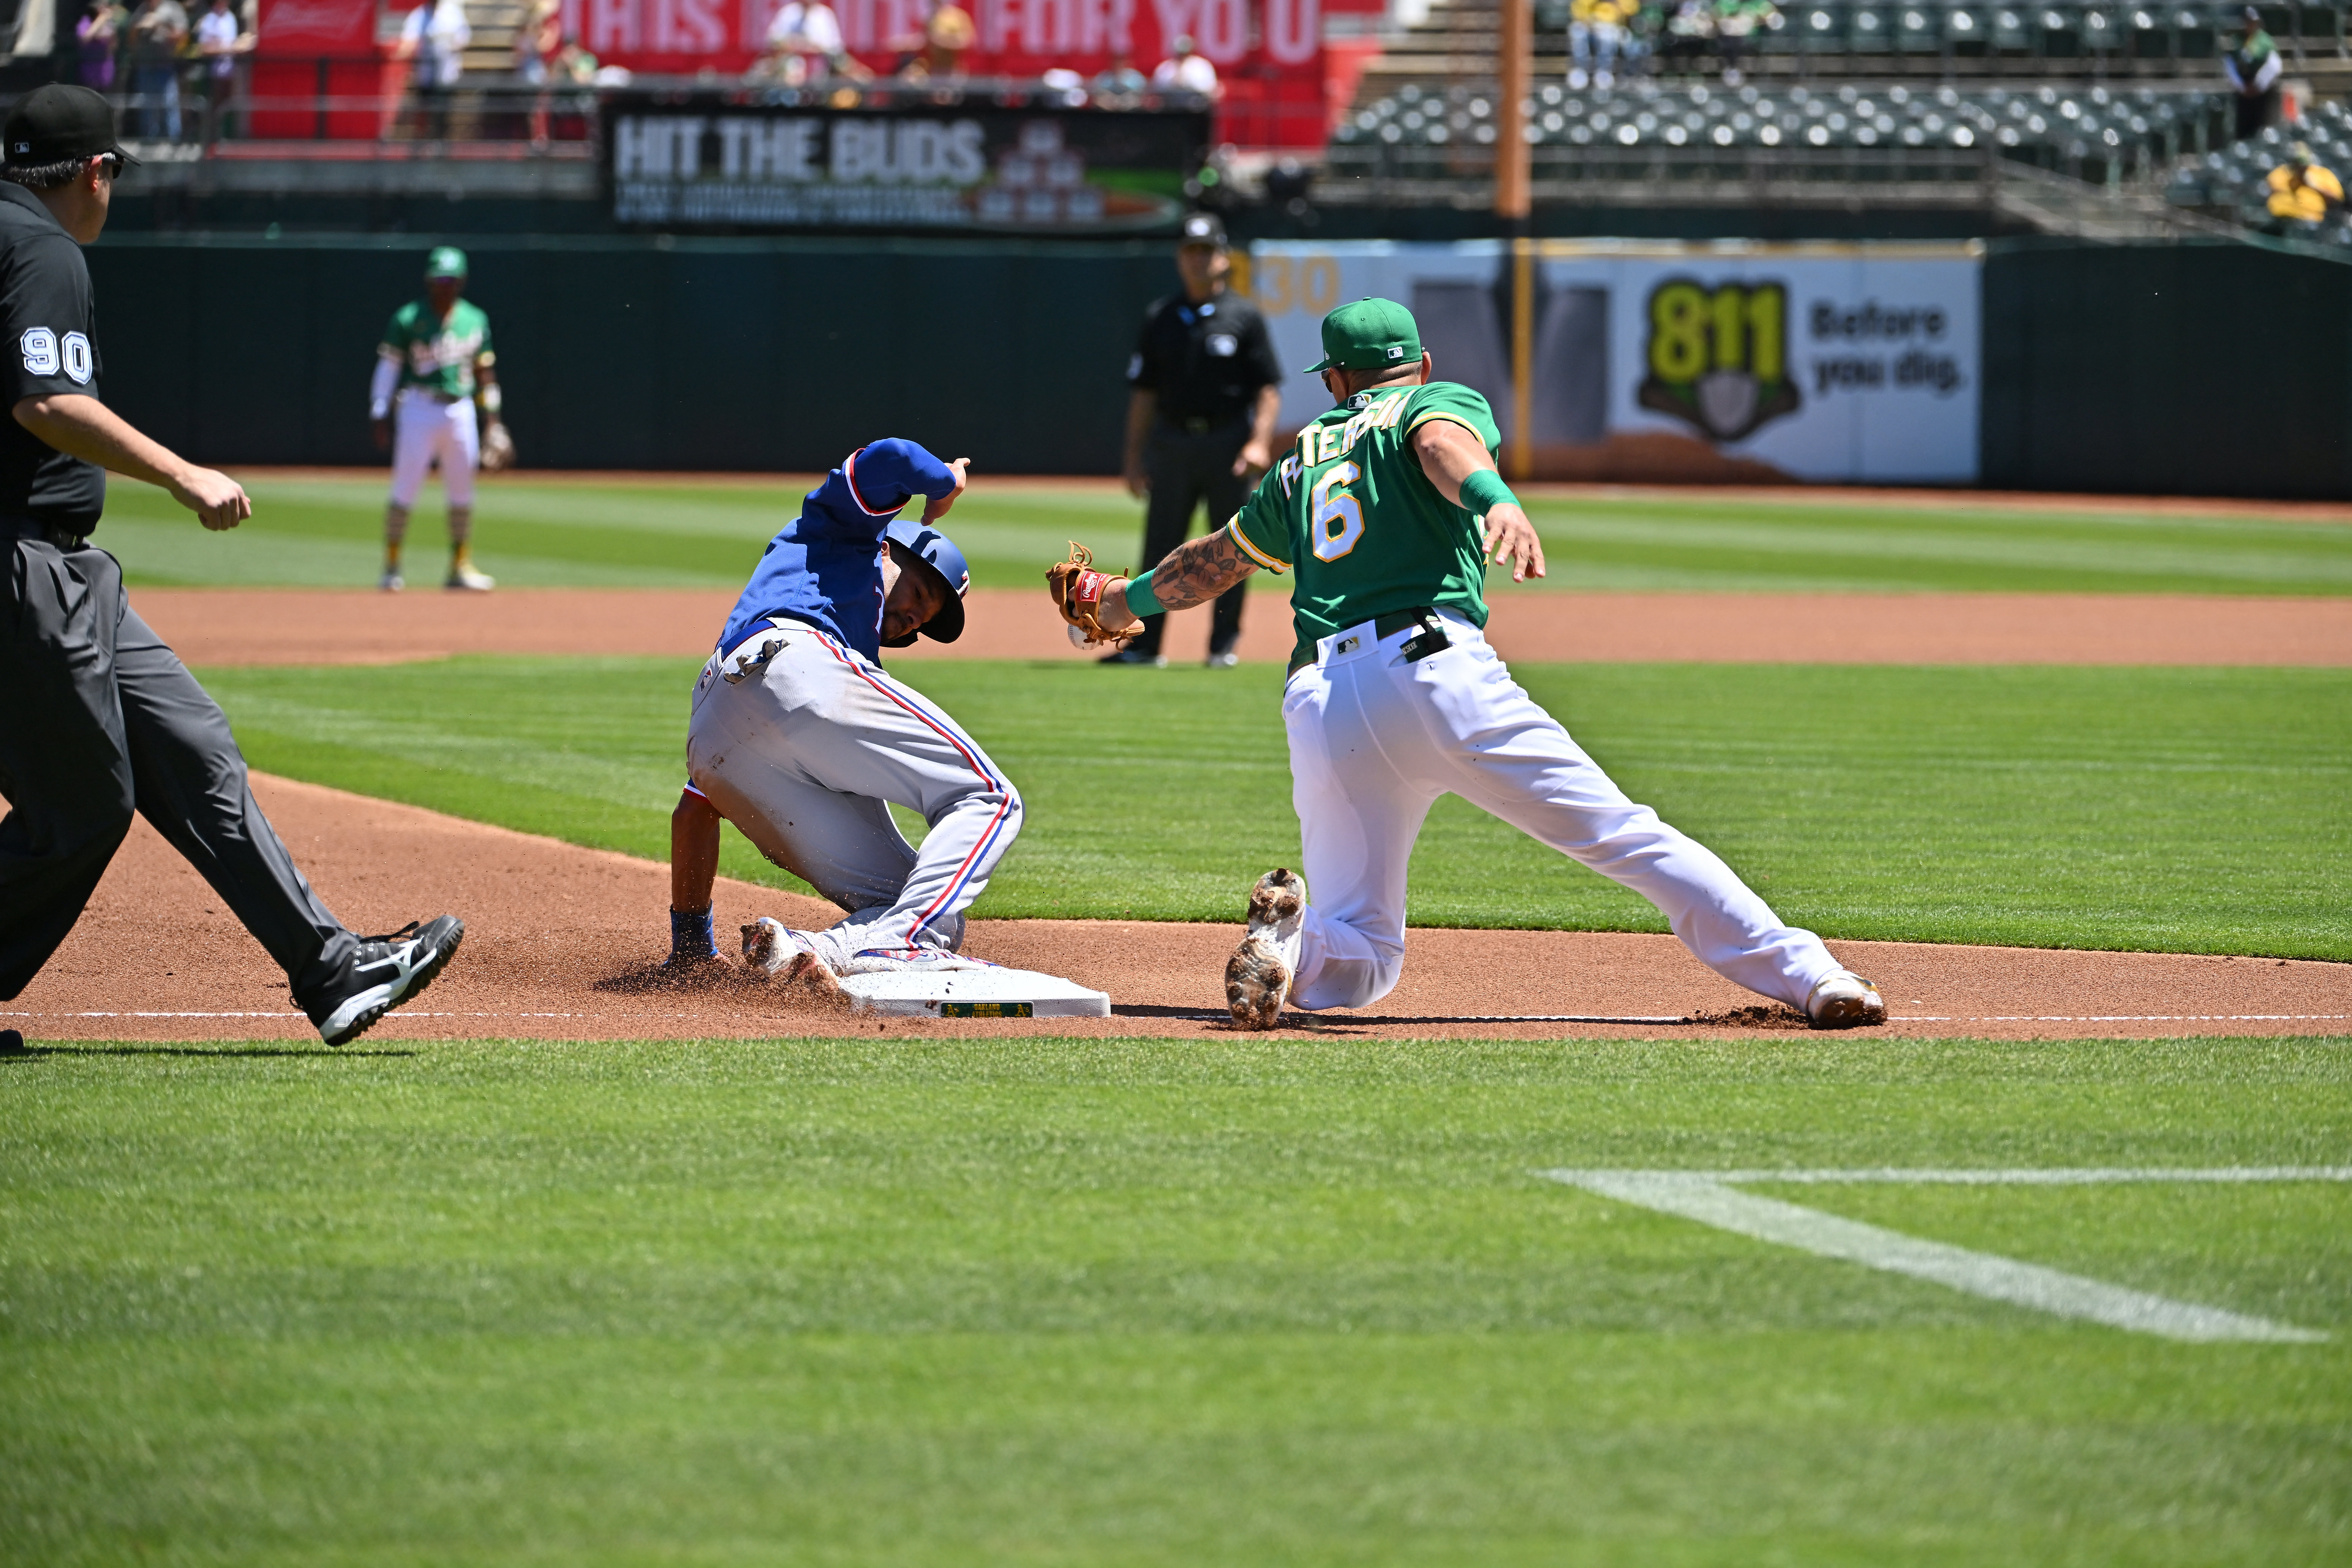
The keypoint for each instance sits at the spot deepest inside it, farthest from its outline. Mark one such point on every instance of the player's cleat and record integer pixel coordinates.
(386, 971)
(1845, 1001)
(897, 960)
(1135, 656)
(1258, 975)
(392, 581)
(468, 580)
(1224, 660)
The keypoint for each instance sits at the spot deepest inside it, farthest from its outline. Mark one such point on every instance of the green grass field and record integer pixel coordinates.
(1050, 1301)
(2199, 810)
(1141, 1302)
(542, 533)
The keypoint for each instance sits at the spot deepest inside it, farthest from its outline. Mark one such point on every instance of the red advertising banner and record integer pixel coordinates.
(1268, 54)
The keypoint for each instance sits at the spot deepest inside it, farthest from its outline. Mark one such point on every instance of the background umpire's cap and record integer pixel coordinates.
(59, 121)
(941, 554)
(1202, 228)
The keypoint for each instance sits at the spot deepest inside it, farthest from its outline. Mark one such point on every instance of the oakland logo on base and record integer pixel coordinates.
(1718, 358)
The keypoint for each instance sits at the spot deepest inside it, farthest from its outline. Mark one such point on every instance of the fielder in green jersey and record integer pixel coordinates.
(1389, 513)
(438, 352)
(435, 403)
(1351, 511)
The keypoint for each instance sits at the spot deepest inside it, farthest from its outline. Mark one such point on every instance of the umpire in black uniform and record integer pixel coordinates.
(98, 718)
(1200, 420)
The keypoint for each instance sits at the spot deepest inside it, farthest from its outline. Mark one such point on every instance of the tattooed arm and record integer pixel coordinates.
(1191, 575)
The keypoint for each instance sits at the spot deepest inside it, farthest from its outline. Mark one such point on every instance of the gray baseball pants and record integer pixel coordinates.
(99, 719)
(801, 741)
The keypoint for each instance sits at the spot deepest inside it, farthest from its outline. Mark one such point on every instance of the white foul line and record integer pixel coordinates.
(1707, 1196)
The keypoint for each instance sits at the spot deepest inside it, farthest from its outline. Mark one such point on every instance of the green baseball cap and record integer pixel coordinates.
(1368, 335)
(446, 261)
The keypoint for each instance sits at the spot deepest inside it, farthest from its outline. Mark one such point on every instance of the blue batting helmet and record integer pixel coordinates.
(940, 553)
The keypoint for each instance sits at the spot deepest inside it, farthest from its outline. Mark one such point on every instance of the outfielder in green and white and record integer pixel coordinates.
(1388, 511)
(434, 369)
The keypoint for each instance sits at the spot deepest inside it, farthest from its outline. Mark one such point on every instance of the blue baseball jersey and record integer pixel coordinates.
(825, 567)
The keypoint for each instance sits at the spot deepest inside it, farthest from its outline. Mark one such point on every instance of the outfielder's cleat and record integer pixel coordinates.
(1224, 660)
(392, 581)
(465, 579)
(386, 971)
(1845, 1001)
(1259, 973)
(1135, 656)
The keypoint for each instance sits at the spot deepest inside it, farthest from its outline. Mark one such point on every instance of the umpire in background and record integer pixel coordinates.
(98, 718)
(1200, 420)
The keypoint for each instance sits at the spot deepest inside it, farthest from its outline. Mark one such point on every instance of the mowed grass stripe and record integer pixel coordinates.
(554, 533)
(2184, 810)
(1133, 1302)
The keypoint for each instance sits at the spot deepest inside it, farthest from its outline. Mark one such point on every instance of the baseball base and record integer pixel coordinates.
(973, 994)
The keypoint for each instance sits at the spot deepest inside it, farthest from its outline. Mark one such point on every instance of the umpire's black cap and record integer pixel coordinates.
(1202, 228)
(59, 121)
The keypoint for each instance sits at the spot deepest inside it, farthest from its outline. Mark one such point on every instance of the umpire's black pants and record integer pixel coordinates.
(98, 718)
(1186, 468)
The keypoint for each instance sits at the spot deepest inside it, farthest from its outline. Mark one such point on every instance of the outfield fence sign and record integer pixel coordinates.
(1666, 362)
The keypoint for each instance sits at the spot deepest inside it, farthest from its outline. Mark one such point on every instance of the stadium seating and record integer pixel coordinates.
(2230, 182)
(1427, 130)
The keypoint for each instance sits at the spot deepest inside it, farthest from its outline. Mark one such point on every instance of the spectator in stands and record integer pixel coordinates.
(1689, 33)
(2253, 70)
(157, 33)
(97, 36)
(1120, 82)
(434, 38)
(1596, 31)
(1736, 23)
(803, 41)
(1185, 71)
(2303, 192)
(537, 42)
(221, 40)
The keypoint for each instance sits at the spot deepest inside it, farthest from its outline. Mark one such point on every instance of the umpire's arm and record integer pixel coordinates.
(81, 427)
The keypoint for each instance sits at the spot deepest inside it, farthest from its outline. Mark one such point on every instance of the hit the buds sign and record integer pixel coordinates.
(715, 164)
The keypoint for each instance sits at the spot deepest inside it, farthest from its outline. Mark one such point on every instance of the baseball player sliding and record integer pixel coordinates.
(1395, 697)
(432, 370)
(800, 741)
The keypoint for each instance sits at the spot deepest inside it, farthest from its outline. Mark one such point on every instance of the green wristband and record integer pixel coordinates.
(1485, 490)
(1140, 599)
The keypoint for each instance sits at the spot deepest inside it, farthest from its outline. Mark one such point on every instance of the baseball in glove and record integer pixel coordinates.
(1079, 589)
(498, 449)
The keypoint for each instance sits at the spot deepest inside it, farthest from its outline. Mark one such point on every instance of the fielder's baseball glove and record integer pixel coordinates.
(1078, 589)
(498, 449)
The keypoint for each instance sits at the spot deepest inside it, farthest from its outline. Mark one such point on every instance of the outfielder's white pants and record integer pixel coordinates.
(799, 742)
(1374, 741)
(425, 429)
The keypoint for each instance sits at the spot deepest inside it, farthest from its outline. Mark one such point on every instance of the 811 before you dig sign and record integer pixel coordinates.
(1824, 362)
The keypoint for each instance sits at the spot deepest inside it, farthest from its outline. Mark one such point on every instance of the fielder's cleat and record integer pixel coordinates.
(1845, 1001)
(392, 581)
(1224, 660)
(1258, 975)
(465, 579)
(386, 971)
(1135, 656)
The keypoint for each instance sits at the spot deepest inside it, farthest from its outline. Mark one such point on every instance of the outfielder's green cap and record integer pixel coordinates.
(1368, 335)
(446, 261)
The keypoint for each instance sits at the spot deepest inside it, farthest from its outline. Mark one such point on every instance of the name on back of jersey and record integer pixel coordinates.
(1319, 444)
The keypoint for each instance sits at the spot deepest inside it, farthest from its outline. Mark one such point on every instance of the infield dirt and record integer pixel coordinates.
(293, 625)
(565, 943)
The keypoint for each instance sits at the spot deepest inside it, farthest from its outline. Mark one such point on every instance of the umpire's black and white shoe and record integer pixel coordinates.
(386, 971)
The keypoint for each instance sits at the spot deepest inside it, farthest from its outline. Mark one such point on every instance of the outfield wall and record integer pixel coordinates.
(2215, 369)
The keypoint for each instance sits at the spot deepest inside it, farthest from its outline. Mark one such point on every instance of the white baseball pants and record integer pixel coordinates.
(799, 742)
(426, 430)
(1374, 741)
